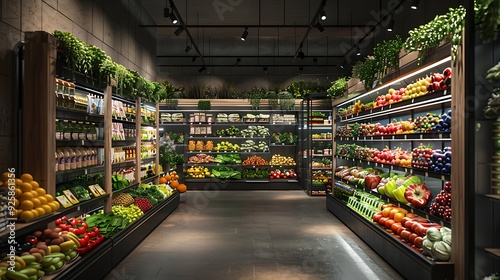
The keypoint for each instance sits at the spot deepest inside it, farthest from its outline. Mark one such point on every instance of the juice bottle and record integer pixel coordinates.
(61, 158)
(84, 157)
(74, 130)
(82, 131)
(67, 159)
(66, 128)
(78, 156)
(72, 156)
(56, 163)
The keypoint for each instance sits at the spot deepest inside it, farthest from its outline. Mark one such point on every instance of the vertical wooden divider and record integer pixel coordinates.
(461, 215)
(108, 145)
(39, 109)
(138, 160)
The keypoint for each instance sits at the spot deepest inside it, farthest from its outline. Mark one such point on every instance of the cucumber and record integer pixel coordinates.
(56, 260)
(28, 271)
(59, 264)
(28, 258)
(49, 268)
(34, 277)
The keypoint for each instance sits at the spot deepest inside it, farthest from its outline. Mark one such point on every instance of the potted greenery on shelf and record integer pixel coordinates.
(386, 54)
(254, 96)
(338, 88)
(204, 105)
(366, 71)
(168, 156)
(286, 101)
(273, 100)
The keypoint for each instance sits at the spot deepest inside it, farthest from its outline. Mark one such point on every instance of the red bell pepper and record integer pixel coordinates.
(65, 227)
(77, 230)
(83, 239)
(418, 195)
(82, 250)
(91, 244)
(84, 224)
(372, 181)
(96, 230)
(31, 239)
(91, 233)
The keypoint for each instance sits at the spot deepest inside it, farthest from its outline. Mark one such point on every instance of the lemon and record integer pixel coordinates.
(26, 177)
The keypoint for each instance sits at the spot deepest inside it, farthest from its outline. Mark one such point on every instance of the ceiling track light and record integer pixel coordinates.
(179, 31)
(390, 27)
(173, 18)
(245, 34)
(319, 27)
(358, 51)
(203, 68)
(188, 48)
(322, 15)
(414, 4)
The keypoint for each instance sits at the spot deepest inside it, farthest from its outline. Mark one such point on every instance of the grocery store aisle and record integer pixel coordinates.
(252, 235)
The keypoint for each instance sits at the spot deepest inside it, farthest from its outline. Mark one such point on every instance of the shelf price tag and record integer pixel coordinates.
(445, 92)
(426, 174)
(440, 136)
(443, 178)
(382, 137)
(405, 137)
(413, 100)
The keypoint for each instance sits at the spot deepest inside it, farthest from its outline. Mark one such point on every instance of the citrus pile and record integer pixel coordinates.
(172, 179)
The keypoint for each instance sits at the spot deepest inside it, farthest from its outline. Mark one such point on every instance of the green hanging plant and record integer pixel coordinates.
(338, 88)
(286, 101)
(366, 71)
(386, 54)
(487, 17)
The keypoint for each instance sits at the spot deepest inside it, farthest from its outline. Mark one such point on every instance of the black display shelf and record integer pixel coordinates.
(81, 171)
(408, 262)
(172, 123)
(433, 136)
(415, 171)
(123, 143)
(194, 137)
(77, 115)
(124, 164)
(131, 186)
(420, 212)
(227, 152)
(282, 145)
(126, 241)
(148, 124)
(148, 158)
(213, 164)
(434, 98)
(80, 143)
(149, 180)
(243, 184)
(123, 120)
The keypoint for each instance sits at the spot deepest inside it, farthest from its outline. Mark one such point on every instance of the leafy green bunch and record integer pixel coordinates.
(366, 71)
(338, 88)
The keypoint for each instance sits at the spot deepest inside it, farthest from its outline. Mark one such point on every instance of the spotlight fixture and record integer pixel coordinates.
(322, 15)
(245, 34)
(188, 48)
(414, 4)
(179, 31)
(358, 51)
(390, 27)
(203, 68)
(194, 58)
(319, 27)
(173, 18)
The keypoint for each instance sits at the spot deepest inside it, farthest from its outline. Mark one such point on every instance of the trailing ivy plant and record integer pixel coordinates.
(386, 54)
(434, 32)
(73, 50)
(487, 17)
(366, 71)
(338, 88)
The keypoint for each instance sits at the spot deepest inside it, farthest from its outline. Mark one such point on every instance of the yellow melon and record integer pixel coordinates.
(26, 177)
(26, 196)
(34, 185)
(25, 187)
(36, 202)
(35, 193)
(40, 211)
(35, 213)
(54, 205)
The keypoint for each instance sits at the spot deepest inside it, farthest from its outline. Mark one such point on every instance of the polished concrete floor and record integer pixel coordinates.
(252, 235)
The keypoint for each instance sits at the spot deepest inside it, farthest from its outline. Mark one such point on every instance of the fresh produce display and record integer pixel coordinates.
(119, 182)
(394, 186)
(178, 138)
(148, 191)
(254, 161)
(226, 146)
(278, 159)
(255, 173)
(441, 206)
(437, 243)
(426, 123)
(418, 195)
(109, 224)
(253, 131)
(282, 174)
(321, 136)
(229, 132)
(31, 200)
(228, 158)
(123, 199)
(224, 118)
(323, 163)
(364, 203)
(197, 172)
(199, 145)
(321, 177)
(284, 138)
(201, 158)
(131, 213)
(143, 203)
(397, 156)
(444, 124)
(421, 156)
(252, 146)
(433, 83)
(224, 172)
(441, 161)
(256, 118)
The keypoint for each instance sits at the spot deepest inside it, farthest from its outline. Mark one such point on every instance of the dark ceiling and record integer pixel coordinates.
(276, 29)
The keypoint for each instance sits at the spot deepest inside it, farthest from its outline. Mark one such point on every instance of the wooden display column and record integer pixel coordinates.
(38, 109)
(108, 122)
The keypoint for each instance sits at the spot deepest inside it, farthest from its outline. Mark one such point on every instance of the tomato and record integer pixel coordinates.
(395, 227)
(412, 237)
(376, 217)
(405, 234)
(400, 230)
(388, 223)
(398, 217)
(383, 220)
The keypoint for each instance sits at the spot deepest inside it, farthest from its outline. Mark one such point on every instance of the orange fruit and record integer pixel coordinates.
(182, 188)
(1, 184)
(26, 215)
(399, 216)
(16, 203)
(36, 202)
(173, 173)
(18, 212)
(35, 213)
(43, 200)
(47, 209)
(26, 177)
(174, 184)
(25, 187)
(19, 182)
(41, 191)
(40, 211)
(167, 178)
(27, 205)
(386, 211)
(49, 197)
(26, 196)
(176, 177)
(162, 180)
(5, 176)
(54, 205)
(34, 185)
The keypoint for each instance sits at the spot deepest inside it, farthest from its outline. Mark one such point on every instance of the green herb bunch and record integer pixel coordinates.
(338, 88)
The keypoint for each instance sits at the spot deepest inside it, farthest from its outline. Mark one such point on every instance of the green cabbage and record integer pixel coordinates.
(441, 251)
(427, 246)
